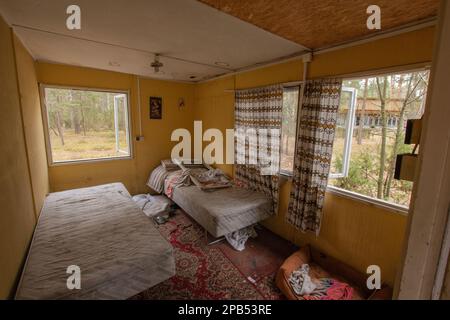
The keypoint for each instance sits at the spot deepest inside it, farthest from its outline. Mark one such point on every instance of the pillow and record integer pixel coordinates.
(157, 178)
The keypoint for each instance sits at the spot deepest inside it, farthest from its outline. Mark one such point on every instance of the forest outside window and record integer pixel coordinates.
(84, 124)
(370, 133)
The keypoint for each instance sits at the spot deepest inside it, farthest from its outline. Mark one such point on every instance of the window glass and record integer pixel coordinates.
(383, 106)
(289, 129)
(86, 124)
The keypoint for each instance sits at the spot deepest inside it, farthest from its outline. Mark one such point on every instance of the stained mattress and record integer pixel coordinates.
(100, 229)
(223, 211)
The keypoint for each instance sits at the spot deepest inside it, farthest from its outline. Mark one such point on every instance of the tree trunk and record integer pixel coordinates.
(363, 113)
(382, 93)
(398, 135)
(76, 121)
(80, 107)
(59, 126)
(75, 117)
(82, 120)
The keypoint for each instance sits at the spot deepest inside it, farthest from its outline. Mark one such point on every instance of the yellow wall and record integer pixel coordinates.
(214, 106)
(355, 232)
(17, 213)
(32, 122)
(148, 153)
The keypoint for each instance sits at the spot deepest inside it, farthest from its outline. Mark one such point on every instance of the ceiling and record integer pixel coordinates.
(195, 38)
(124, 35)
(318, 24)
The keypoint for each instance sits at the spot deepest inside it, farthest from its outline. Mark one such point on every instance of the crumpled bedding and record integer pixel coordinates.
(301, 282)
(177, 179)
(318, 289)
(330, 289)
(239, 238)
(152, 205)
(210, 179)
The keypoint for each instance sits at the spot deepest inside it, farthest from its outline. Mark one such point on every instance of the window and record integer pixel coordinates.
(344, 128)
(370, 134)
(289, 129)
(85, 124)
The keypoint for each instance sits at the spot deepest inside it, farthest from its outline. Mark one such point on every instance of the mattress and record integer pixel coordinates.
(223, 211)
(101, 230)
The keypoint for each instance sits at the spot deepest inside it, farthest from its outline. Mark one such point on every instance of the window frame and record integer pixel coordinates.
(285, 173)
(397, 208)
(348, 135)
(45, 121)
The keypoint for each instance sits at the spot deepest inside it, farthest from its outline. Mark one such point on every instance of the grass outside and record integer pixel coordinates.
(93, 145)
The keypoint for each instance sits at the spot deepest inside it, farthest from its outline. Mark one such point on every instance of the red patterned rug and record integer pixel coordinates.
(214, 272)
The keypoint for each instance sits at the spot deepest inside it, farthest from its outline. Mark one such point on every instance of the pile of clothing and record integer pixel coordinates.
(320, 289)
(180, 178)
(153, 206)
(239, 238)
(210, 179)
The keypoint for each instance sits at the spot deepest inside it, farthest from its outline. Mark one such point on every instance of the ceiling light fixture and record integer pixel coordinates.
(156, 64)
(221, 64)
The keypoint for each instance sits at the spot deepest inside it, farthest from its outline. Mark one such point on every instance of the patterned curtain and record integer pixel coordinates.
(258, 117)
(314, 148)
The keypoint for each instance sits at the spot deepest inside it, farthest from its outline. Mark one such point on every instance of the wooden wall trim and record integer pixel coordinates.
(431, 194)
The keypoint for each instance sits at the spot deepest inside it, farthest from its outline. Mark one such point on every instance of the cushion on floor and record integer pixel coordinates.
(322, 266)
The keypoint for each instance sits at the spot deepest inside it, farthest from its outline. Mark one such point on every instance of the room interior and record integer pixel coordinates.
(211, 51)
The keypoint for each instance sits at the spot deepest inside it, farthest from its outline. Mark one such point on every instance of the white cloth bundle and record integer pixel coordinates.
(301, 281)
(152, 205)
(238, 238)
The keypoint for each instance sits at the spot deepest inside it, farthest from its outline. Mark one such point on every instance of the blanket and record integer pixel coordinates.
(176, 179)
(301, 281)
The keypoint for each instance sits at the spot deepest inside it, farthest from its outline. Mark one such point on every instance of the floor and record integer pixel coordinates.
(218, 271)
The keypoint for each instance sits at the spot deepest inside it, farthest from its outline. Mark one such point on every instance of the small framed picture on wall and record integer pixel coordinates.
(156, 108)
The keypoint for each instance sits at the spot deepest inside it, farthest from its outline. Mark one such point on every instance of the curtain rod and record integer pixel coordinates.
(356, 75)
(284, 84)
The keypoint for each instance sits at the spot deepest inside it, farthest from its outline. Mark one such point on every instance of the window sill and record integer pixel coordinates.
(286, 177)
(368, 200)
(88, 161)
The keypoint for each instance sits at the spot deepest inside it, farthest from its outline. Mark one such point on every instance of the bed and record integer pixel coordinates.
(220, 211)
(100, 229)
(223, 211)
